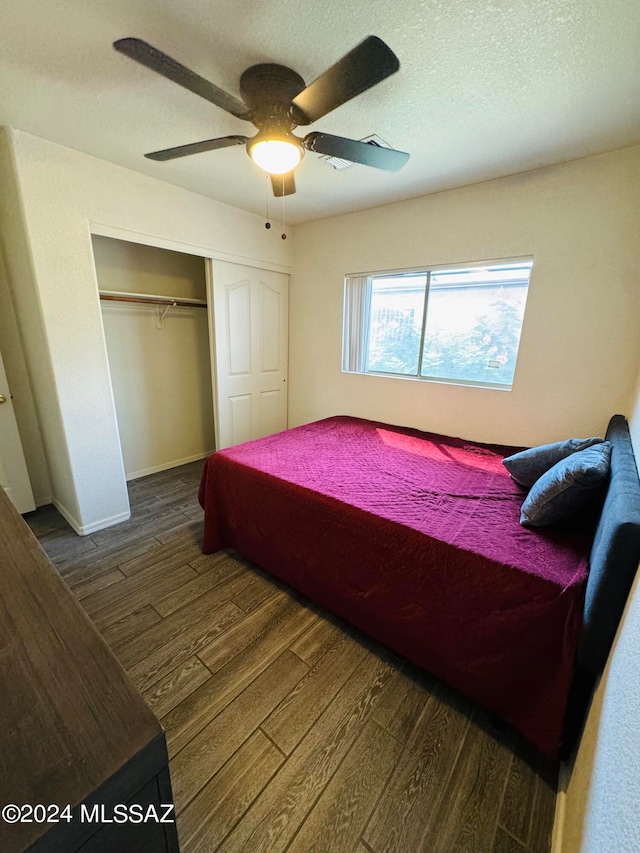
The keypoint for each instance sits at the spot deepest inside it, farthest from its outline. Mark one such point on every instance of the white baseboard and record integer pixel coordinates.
(64, 512)
(557, 837)
(105, 522)
(134, 475)
(85, 530)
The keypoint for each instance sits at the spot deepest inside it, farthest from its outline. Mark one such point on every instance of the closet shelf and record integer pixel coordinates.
(151, 299)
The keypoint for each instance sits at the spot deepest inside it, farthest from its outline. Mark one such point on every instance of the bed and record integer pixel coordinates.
(415, 539)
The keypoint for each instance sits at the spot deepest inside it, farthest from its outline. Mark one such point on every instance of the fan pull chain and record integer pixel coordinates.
(267, 224)
(283, 235)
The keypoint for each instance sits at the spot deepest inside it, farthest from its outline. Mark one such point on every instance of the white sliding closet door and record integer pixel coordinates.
(250, 321)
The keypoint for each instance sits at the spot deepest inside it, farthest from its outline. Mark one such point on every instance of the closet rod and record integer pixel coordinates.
(154, 300)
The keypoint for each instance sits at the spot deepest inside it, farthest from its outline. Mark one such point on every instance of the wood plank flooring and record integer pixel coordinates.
(288, 729)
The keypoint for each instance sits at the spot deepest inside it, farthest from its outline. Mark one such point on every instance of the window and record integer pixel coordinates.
(457, 325)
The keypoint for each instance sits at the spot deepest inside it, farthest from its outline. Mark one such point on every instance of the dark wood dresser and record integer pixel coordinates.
(74, 732)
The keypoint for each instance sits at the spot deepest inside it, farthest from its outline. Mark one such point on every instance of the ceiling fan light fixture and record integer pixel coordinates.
(276, 156)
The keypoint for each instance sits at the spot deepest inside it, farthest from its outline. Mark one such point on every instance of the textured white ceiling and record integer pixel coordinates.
(486, 87)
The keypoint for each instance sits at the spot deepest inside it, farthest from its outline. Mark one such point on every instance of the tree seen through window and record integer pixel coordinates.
(472, 324)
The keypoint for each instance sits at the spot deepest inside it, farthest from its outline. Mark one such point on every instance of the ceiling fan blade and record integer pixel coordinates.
(283, 184)
(197, 147)
(367, 64)
(145, 54)
(366, 153)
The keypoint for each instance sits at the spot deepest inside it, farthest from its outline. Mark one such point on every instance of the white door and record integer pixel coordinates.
(13, 469)
(250, 325)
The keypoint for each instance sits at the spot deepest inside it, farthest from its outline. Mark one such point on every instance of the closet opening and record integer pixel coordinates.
(154, 315)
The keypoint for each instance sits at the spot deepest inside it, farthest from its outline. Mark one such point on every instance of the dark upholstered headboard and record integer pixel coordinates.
(615, 553)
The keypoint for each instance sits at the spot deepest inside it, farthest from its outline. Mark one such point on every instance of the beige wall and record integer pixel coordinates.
(125, 266)
(16, 267)
(600, 813)
(64, 197)
(634, 417)
(579, 346)
(160, 368)
(20, 385)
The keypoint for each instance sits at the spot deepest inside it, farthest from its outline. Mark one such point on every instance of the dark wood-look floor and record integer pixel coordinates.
(287, 729)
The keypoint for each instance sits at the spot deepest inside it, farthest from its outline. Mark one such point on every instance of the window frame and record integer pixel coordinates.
(427, 272)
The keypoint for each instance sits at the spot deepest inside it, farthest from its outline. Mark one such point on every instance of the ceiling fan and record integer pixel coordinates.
(276, 100)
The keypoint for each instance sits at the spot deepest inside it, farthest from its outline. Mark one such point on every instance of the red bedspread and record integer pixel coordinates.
(415, 539)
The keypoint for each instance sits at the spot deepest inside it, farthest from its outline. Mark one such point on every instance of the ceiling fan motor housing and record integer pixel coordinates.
(268, 89)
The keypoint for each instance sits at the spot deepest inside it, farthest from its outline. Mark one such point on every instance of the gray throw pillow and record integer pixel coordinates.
(567, 487)
(529, 465)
